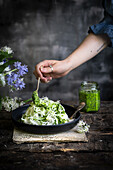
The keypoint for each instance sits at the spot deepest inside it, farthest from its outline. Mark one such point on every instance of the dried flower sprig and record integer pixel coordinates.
(10, 104)
(82, 127)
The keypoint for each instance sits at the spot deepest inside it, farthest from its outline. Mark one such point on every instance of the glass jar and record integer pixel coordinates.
(89, 93)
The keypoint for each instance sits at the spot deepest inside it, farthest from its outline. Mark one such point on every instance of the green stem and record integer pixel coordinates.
(27, 100)
(10, 71)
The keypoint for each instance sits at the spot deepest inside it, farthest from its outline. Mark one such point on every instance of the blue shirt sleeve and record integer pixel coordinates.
(106, 25)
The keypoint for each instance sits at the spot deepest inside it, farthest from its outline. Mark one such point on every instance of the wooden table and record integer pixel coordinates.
(97, 153)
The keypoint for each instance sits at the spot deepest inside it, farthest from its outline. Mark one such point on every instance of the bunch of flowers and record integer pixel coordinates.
(11, 76)
(11, 71)
(11, 103)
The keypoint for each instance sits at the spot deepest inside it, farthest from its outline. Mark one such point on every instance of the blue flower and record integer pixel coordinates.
(19, 84)
(22, 85)
(9, 80)
(15, 77)
(17, 65)
(15, 81)
(22, 69)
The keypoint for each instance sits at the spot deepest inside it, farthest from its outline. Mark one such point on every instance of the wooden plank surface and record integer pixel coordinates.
(56, 161)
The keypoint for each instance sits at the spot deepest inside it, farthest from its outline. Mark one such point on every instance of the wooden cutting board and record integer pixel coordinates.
(69, 136)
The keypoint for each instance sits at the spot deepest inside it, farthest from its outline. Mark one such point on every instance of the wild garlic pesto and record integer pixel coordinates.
(90, 94)
(43, 111)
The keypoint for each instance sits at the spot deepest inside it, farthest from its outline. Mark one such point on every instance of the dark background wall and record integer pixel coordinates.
(51, 29)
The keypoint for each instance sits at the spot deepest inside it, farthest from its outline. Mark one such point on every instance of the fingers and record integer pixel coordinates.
(48, 69)
(37, 71)
(48, 80)
(44, 78)
(43, 71)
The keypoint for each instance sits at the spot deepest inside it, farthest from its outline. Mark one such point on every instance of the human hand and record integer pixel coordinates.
(45, 72)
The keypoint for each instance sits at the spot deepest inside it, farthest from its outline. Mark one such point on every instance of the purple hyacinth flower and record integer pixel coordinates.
(14, 79)
(15, 76)
(22, 85)
(17, 65)
(23, 70)
(19, 84)
(9, 80)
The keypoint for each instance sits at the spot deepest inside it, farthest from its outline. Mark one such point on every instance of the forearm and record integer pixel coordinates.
(90, 47)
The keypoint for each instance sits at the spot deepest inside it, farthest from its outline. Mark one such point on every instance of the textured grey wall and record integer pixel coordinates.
(51, 29)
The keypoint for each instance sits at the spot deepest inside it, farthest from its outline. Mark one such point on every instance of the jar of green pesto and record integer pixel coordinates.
(89, 93)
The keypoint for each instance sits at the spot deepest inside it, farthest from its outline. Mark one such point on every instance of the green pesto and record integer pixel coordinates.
(89, 93)
(91, 98)
(35, 98)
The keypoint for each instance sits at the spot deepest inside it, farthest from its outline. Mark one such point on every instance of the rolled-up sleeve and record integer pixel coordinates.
(106, 25)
